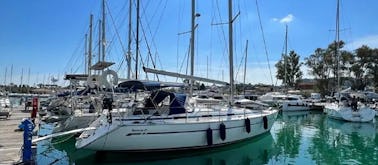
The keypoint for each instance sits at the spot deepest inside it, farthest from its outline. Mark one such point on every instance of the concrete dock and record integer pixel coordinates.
(11, 140)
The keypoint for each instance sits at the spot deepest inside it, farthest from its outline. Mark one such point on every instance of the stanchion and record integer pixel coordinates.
(28, 127)
(35, 109)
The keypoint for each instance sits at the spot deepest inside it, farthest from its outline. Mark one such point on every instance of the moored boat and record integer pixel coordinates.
(167, 117)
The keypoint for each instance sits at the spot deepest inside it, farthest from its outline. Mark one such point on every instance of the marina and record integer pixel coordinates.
(175, 82)
(307, 137)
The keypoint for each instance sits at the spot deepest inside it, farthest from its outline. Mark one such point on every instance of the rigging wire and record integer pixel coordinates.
(119, 38)
(111, 44)
(222, 29)
(148, 49)
(263, 36)
(179, 17)
(241, 63)
(153, 35)
(239, 43)
(222, 33)
(186, 57)
(73, 55)
(183, 61)
(78, 60)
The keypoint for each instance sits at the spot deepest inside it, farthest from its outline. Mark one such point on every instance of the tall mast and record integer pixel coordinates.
(337, 46)
(85, 54)
(28, 79)
(103, 30)
(11, 74)
(285, 58)
(245, 64)
(10, 83)
(99, 41)
(230, 49)
(137, 42)
(90, 44)
(22, 76)
(192, 35)
(129, 43)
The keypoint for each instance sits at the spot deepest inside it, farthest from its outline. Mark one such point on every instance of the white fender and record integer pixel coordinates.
(104, 80)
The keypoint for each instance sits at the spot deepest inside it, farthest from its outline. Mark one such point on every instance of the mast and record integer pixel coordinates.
(285, 58)
(90, 44)
(85, 54)
(192, 35)
(28, 79)
(230, 49)
(129, 43)
(337, 48)
(22, 76)
(245, 64)
(10, 83)
(137, 42)
(103, 30)
(99, 41)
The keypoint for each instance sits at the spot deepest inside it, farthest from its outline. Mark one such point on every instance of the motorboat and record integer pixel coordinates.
(273, 98)
(295, 103)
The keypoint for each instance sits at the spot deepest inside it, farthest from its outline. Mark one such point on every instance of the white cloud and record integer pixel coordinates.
(287, 19)
(371, 41)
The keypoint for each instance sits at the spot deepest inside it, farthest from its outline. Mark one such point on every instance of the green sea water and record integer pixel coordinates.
(295, 138)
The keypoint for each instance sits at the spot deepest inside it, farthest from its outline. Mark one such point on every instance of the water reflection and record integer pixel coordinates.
(295, 116)
(339, 142)
(291, 132)
(364, 130)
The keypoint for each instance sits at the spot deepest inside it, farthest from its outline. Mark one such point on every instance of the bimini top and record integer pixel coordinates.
(134, 85)
(176, 100)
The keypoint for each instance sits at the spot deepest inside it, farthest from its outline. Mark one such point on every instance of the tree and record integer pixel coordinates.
(371, 59)
(319, 68)
(290, 72)
(358, 69)
(330, 63)
(339, 62)
(365, 67)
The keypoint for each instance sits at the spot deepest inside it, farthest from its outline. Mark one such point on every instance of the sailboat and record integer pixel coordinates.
(341, 110)
(165, 121)
(85, 106)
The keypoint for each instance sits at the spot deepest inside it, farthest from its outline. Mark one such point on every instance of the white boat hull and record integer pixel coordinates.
(295, 106)
(363, 114)
(76, 122)
(172, 134)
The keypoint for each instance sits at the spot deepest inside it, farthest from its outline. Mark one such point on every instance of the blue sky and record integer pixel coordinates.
(48, 36)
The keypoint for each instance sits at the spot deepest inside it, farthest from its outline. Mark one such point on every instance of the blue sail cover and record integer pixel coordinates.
(134, 85)
(177, 104)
